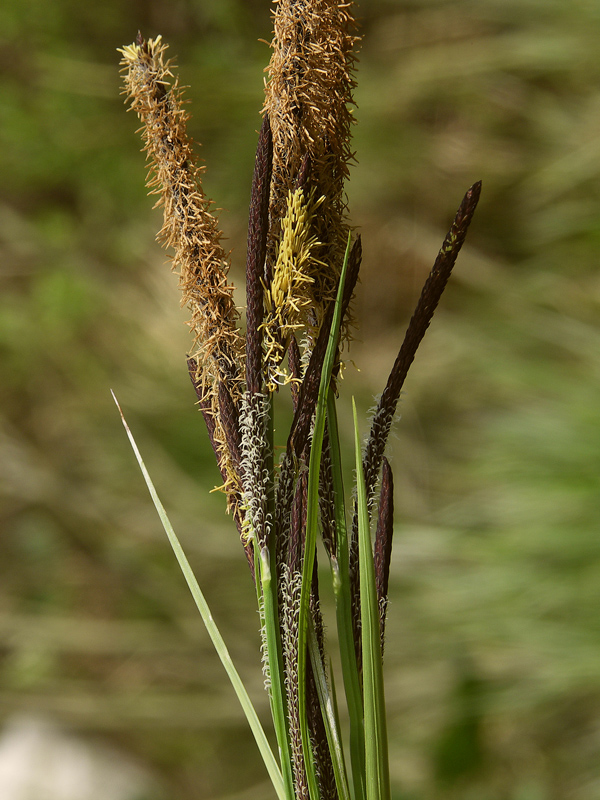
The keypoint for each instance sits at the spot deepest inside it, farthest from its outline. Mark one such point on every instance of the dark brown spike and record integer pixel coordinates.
(284, 499)
(295, 544)
(310, 389)
(230, 423)
(386, 408)
(326, 498)
(294, 362)
(290, 584)
(383, 541)
(203, 402)
(304, 173)
(430, 296)
(205, 406)
(258, 229)
(354, 572)
(354, 262)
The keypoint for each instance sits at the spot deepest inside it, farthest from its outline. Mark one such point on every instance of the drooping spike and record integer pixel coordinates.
(430, 296)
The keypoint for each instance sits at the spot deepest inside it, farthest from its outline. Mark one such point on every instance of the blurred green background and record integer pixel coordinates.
(493, 653)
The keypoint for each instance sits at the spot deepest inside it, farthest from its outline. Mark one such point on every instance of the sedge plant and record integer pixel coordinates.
(302, 266)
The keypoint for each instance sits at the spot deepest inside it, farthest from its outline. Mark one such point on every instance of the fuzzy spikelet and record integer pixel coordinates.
(254, 415)
(189, 226)
(308, 98)
(284, 500)
(289, 296)
(291, 585)
(192, 231)
(264, 648)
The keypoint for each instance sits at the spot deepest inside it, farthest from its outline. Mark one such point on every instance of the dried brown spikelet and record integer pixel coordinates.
(308, 97)
(189, 228)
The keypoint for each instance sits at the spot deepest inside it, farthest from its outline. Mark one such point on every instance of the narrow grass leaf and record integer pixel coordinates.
(312, 513)
(340, 568)
(275, 663)
(329, 716)
(376, 746)
(211, 627)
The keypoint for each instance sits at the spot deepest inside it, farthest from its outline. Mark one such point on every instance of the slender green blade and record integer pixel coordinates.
(275, 663)
(376, 746)
(211, 627)
(326, 702)
(340, 567)
(312, 515)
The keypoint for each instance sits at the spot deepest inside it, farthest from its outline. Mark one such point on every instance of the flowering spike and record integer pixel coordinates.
(288, 301)
(430, 296)
(308, 98)
(383, 542)
(189, 226)
(258, 228)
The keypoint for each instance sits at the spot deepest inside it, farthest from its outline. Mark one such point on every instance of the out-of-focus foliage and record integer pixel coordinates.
(493, 643)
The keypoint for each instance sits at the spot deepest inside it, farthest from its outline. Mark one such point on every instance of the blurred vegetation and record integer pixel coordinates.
(493, 653)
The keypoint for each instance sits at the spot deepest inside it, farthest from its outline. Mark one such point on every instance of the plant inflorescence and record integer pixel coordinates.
(301, 270)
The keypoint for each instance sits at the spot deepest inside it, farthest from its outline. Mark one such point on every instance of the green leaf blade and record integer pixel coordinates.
(211, 626)
(312, 514)
(340, 566)
(376, 745)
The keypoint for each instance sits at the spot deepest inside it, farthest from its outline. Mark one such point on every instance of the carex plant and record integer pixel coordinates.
(302, 266)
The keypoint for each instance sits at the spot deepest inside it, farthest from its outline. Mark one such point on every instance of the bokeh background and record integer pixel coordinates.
(493, 654)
